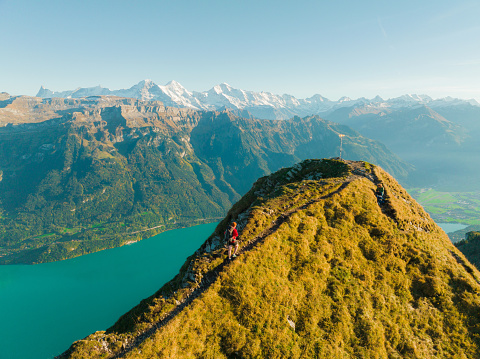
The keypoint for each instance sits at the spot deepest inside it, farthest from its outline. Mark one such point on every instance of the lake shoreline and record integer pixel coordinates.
(76, 297)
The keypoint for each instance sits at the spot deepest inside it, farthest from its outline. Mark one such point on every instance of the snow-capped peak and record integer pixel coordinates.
(344, 99)
(174, 84)
(473, 102)
(221, 88)
(414, 98)
(226, 86)
(318, 97)
(175, 89)
(146, 83)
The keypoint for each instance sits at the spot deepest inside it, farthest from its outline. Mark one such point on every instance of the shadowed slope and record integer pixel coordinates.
(470, 247)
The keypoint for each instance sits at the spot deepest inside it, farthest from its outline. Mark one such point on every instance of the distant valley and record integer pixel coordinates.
(443, 148)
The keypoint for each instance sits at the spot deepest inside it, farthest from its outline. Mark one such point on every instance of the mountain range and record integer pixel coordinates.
(470, 247)
(261, 104)
(323, 272)
(439, 137)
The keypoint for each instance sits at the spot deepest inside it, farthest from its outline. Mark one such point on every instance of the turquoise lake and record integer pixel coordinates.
(451, 227)
(46, 307)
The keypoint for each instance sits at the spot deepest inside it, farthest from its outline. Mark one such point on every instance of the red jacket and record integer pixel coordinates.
(234, 234)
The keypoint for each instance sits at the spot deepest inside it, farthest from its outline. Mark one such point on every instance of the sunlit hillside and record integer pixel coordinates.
(324, 272)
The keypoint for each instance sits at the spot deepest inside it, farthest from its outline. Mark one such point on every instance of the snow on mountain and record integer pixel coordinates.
(450, 101)
(144, 90)
(260, 104)
(77, 93)
(409, 100)
(180, 96)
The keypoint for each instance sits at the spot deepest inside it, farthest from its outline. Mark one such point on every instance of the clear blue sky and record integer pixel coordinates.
(334, 48)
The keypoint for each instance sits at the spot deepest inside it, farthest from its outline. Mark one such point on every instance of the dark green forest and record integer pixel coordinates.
(470, 247)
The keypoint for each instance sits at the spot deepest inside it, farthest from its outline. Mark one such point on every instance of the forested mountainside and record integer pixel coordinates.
(470, 247)
(101, 172)
(323, 272)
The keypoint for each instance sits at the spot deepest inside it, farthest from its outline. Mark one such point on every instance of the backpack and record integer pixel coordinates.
(229, 234)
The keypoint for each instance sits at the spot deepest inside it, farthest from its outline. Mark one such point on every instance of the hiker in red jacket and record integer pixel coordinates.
(231, 236)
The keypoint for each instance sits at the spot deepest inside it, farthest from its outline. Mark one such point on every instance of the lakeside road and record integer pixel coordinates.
(162, 225)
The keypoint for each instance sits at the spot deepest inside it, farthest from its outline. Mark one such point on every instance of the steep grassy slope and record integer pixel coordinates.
(106, 171)
(324, 272)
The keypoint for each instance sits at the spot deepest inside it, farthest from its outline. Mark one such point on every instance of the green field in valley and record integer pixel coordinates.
(453, 207)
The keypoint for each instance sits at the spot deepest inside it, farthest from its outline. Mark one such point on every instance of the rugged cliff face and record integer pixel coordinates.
(323, 272)
(105, 171)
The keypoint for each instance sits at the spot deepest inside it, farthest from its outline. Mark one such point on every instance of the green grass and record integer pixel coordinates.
(70, 231)
(457, 207)
(432, 196)
(46, 235)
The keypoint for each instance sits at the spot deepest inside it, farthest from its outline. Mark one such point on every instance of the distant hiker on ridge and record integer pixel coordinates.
(380, 192)
(231, 236)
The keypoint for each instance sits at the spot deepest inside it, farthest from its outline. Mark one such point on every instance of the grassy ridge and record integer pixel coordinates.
(333, 275)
